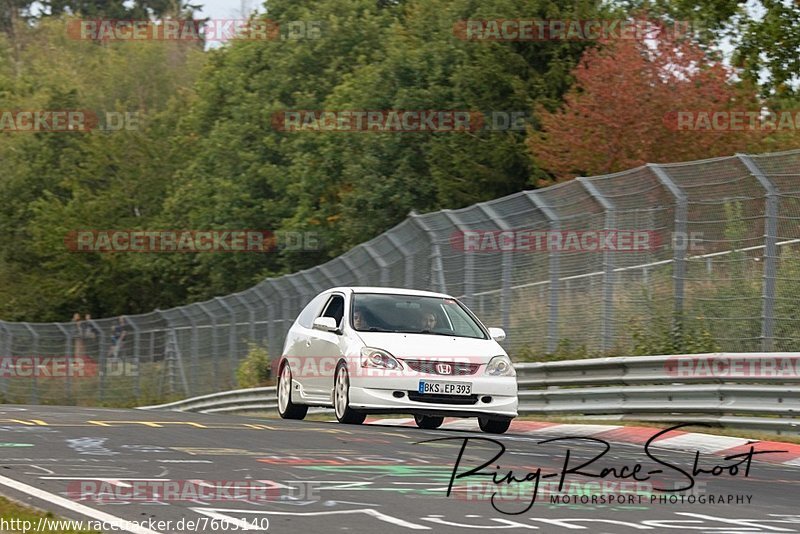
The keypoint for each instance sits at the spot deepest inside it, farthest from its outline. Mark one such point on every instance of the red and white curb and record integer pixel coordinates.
(675, 440)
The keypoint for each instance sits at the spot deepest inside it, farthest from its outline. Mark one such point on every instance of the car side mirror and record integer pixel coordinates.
(498, 334)
(326, 324)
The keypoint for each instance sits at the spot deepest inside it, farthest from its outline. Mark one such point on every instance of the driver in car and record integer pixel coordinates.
(428, 322)
(359, 320)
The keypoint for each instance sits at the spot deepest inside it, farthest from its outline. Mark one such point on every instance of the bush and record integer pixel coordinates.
(254, 371)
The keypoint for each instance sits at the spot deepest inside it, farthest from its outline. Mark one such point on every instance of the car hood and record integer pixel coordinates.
(432, 347)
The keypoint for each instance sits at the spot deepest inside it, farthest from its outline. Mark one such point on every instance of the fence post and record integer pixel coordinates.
(231, 336)
(327, 274)
(6, 353)
(270, 325)
(437, 269)
(195, 350)
(507, 266)
(469, 259)
(383, 266)
(681, 215)
(214, 340)
(608, 264)
(101, 357)
(34, 352)
(770, 253)
(408, 267)
(251, 316)
(137, 352)
(554, 268)
(311, 281)
(68, 354)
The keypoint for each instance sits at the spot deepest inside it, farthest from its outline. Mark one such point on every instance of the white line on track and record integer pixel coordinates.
(121, 524)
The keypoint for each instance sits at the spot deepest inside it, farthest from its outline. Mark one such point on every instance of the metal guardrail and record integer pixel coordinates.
(759, 391)
(237, 401)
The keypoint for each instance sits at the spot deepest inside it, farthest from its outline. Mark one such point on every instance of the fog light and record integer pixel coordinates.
(398, 394)
(487, 399)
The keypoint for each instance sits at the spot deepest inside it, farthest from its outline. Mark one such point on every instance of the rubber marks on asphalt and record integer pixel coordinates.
(676, 440)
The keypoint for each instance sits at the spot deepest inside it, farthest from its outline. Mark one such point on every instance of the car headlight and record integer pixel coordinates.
(371, 357)
(500, 366)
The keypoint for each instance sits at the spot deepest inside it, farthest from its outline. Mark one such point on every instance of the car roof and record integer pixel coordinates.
(391, 291)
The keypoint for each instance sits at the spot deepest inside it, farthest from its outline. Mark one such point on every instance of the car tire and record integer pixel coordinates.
(493, 426)
(341, 398)
(428, 422)
(286, 408)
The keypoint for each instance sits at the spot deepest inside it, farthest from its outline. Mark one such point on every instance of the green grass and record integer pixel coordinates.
(10, 510)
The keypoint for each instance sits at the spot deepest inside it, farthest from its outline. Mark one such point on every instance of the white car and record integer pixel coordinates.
(368, 350)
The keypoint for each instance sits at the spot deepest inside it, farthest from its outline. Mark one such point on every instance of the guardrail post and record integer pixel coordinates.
(214, 340)
(469, 258)
(770, 252)
(681, 215)
(231, 336)
(437, 269)
(195, 350)
(555, 268)
(34, 352)
(68, 355)
(608, 264)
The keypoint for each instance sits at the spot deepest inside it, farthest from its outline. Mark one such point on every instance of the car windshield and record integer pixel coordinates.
(409, 314)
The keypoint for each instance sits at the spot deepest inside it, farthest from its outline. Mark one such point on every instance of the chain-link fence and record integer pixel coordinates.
(705, 252)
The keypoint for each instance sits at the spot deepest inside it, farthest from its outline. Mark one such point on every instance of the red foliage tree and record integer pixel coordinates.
(622, 110)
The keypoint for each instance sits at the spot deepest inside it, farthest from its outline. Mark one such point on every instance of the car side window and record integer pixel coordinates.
(306, 317)
(335, 309)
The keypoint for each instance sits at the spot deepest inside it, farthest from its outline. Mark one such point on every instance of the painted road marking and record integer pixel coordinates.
(705, 443)
(123, 525)
(366, 511)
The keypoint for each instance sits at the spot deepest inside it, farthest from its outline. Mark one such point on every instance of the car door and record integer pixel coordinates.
(297, 349)
(325, 349)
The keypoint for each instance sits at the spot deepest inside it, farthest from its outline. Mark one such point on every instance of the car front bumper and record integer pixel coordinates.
(377, 395)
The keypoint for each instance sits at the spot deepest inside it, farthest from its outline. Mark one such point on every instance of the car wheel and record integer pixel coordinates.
(286, 408)
(428, 422)
(341, 398)
(493, 426)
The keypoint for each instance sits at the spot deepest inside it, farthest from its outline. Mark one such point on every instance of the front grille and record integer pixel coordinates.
(442, 399)
(456, 368)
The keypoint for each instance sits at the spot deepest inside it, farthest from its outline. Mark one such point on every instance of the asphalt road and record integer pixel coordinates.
(306, 476)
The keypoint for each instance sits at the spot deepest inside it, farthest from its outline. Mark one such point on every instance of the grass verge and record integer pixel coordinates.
(14, 516)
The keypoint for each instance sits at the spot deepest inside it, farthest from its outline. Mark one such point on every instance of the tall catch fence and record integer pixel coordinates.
(708, 248)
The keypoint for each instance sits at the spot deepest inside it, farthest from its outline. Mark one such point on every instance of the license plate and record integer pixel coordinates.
(445, 388)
